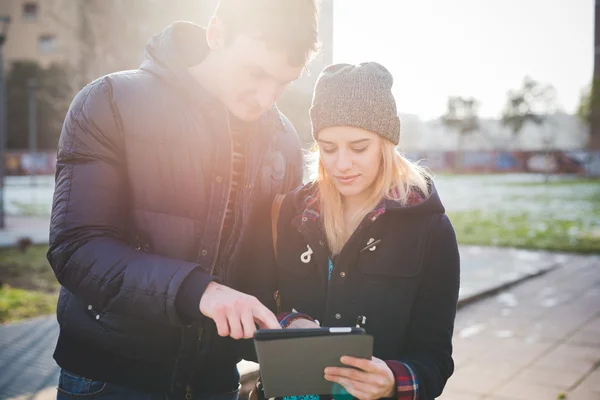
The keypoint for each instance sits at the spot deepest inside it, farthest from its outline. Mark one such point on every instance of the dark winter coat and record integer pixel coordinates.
(142, 183)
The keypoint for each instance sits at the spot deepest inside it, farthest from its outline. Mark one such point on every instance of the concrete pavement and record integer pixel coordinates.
(537, 341)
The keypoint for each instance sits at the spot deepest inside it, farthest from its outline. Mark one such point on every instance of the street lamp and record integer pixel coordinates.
(4, 23)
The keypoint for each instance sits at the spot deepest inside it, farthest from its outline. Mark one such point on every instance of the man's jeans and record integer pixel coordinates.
(71, 386)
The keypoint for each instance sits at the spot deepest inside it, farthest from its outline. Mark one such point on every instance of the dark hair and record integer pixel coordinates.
(284, 25)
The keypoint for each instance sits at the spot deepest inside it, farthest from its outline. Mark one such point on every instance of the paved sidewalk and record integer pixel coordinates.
(535, 341)
(26, 364)
(27, 369)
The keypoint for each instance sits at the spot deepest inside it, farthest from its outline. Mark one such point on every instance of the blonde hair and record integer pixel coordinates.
(396, 172)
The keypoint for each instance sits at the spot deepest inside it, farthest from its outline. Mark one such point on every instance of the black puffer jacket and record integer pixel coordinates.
(143, 177)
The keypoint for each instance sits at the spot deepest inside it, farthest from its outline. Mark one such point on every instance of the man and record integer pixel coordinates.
(161, 172)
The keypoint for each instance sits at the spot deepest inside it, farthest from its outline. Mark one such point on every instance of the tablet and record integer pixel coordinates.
(293, 361)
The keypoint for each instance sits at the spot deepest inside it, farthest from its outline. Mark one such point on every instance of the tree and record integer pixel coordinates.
(584, 108)
(589, 112)
(532, 103)
(53, 97)
(594, 104)
(461, 116)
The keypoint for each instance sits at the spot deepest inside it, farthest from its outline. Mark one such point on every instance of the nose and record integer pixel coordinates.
(344, 161)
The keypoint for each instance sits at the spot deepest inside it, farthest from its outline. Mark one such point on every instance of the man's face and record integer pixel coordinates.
(252, 77)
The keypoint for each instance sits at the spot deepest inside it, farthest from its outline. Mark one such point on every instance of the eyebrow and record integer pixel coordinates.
(352, 142)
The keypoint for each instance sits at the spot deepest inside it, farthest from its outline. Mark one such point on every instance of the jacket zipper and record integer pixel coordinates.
(356, 232)
(212, 268)
(236, 215)
(277, 298)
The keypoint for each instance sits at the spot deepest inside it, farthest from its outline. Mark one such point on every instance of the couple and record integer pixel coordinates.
(161, 231)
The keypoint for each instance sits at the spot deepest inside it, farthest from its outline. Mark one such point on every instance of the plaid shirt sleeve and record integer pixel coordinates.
(407, 385)
(286, 318)
(282, 315)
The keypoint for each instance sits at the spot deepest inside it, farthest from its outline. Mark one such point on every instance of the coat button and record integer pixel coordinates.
(204, 253)
(343, 274)
(321, 243)
(97, 317)
(90, 307)
(304, 219)
(219, 179)
(338, 316)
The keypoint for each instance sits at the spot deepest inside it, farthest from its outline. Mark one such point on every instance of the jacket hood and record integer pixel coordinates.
(172, 51)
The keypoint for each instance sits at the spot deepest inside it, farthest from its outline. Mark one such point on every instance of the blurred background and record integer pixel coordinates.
(499, 99)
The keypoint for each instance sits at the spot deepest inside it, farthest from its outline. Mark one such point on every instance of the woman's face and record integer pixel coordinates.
(351, 157)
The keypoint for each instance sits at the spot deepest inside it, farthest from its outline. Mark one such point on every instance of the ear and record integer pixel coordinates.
(215, 34)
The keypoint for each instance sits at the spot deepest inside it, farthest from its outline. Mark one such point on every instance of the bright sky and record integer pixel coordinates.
(480, 48)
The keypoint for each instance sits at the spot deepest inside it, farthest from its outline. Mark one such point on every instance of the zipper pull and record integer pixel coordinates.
(277, 300)
(371, 245)
(361, 321)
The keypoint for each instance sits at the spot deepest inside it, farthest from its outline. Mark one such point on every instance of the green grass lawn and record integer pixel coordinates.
(28, 287)
(553, 182)
(18, 304)
(562, 214)
(523, 231)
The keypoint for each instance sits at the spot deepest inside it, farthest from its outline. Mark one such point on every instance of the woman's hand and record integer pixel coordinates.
(373, 379)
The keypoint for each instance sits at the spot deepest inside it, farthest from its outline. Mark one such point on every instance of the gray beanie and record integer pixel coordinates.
(356, 95)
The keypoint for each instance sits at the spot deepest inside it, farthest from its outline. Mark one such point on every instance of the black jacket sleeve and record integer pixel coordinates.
(89, 228)
(429, 347)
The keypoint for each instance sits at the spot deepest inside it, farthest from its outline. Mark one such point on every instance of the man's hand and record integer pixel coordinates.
(235, 313)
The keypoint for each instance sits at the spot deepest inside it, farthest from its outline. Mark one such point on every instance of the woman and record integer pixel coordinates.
(367, 243)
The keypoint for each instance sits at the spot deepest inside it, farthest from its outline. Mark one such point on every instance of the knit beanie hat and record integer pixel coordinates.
(356, 95)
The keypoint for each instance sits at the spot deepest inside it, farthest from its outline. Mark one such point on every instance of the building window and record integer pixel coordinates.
(47, 44)
(30, 11)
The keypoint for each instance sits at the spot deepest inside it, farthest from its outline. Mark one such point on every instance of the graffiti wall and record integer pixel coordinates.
(474, 162)
(25, 163)
(477, 162)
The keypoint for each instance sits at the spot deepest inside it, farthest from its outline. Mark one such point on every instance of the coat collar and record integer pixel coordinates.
(310, 214)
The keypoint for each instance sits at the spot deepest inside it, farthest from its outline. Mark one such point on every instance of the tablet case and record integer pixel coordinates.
(295, 366)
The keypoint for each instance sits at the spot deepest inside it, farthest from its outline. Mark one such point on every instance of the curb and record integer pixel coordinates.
(500, 288)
